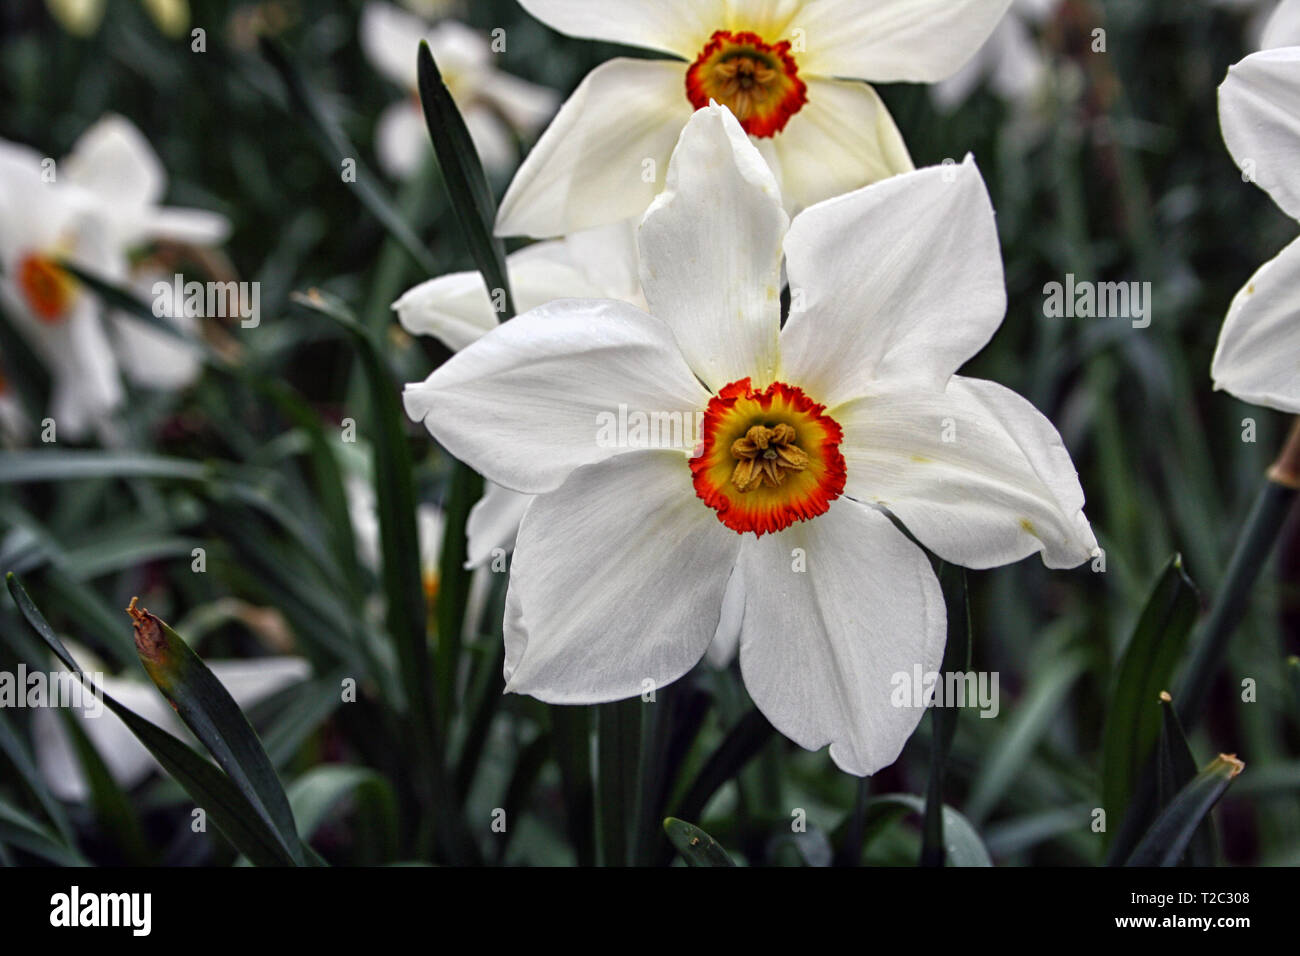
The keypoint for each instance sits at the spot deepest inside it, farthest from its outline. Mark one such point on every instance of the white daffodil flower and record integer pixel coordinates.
(1258, 355)
(456, 309)
(788, 69)
(91, 209)
(127, 760)
(645, 542)
(1011, 61)
(495, 105)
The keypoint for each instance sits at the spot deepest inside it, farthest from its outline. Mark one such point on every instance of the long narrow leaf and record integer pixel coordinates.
(207, 708)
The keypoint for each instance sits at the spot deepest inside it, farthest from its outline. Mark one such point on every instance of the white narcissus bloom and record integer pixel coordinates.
(637, 553)
(1011, 60)
(790, 70)
(127, 760)
(496, 106)
(1258, 355)
(456, 309)
(91, 208)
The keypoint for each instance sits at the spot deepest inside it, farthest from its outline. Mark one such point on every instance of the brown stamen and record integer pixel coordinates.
(764, 456)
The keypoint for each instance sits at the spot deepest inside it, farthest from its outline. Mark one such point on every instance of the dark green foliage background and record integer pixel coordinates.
(1120, 175)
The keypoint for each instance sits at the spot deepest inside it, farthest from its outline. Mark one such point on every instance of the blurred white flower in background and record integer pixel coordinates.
(93, 209)
(1258, 355)
(1282, 27)
(635, 557)
(497, 107)
(1011, 62)
(1271, 23)
(130, 764)
(82, 17)
(790, 71)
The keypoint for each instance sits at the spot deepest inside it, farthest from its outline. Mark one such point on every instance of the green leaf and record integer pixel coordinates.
(696, 847)
(956, 657)
(1032, 718)
(471, 196)
(335, 148)
(742, 743)
(19, 830)
(15, 748)
(571, 737)
(318, 793)
(618, 749)
(528, 767)
(1146, 669)
(59, 465)
(1173, 830)
(1175, 769)
(1258, 534)
(962, 845)
(464, 488)
(211, 713)
(213, 791)
(402, 577)
(117, 817)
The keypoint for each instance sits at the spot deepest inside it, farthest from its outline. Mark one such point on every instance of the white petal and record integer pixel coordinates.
(1283, 26)
(820, 648)
(492, 141)
(901, 280)
(150, 358)
(401, 139)
(677, 26)
(115, 161)
(463, 55)
(711, 252)
(976, 473)
(620, 575)
(526, 106)
(1259, 110)
(198, 227)
(494, 523)
(390, 38)
(842, 139)
(127, 760)
(1258, 355)
(888, 41)
(529, 402)
(726, 640)
(604, 157)
(252, 681)
(429, 530)
(85, 386)
(456, 308)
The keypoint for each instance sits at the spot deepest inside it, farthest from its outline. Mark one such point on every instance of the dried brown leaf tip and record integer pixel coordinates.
(1237, 765)
(149, 640)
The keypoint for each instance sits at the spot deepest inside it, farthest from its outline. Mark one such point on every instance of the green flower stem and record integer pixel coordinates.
(1260, 533)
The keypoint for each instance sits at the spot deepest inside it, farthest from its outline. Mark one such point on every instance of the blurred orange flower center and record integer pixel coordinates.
(759, 82)
(48, 289)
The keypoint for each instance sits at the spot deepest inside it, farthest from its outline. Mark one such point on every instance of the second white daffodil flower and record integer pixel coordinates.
(809, 433)
(1258, 355)
(790, 70)
(496, 106)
